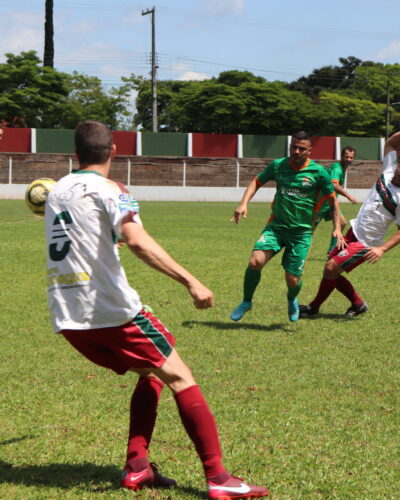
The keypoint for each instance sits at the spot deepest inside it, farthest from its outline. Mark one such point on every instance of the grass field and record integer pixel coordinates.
(309, 409)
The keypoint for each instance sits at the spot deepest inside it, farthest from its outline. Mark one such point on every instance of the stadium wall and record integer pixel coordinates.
(25, 140)
(167, 178)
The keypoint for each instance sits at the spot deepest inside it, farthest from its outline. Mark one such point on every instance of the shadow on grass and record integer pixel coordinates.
(101, 478)
(238, 326)
(15, 440)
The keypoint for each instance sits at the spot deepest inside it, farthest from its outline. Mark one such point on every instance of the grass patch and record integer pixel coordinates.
(310, 409)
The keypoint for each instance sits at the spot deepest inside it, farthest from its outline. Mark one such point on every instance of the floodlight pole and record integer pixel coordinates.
(153, 68)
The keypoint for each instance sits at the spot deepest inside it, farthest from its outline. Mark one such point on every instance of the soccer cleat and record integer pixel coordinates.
(293, 309)
(356, 310)
(241, 310)
(147, 477)
(307, 311)
(234, 487)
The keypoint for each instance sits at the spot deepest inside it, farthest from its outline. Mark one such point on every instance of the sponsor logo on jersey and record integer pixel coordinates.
(127, 203)
(307, 181)
(343, 253)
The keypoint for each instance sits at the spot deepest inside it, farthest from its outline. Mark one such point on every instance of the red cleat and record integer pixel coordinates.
(234, 487)
(147, 477)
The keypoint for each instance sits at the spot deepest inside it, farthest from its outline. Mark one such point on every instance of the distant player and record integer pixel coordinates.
(299, 180)
(337, 173)
(98, 313)
(365, 238)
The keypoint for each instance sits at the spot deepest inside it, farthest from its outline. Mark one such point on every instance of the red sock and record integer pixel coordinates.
(201, 427)
(325, 289)
(346, 288)
(143, 416)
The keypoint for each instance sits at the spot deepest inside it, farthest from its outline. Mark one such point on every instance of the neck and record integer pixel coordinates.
(102, 169)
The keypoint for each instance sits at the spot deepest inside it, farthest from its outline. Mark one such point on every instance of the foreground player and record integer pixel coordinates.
(298, 182)
(337, 173)
(365, 238)
(95, 309)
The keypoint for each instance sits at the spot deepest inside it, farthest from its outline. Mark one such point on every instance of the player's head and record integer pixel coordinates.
(300, 147)
(93, 142)
(348, 154)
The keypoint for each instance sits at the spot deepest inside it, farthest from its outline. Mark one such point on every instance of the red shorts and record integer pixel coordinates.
(144, 342)
(352, 255)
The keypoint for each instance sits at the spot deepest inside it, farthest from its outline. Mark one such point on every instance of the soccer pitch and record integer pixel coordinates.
(311, 409)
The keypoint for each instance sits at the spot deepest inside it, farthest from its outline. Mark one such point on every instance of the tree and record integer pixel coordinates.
(31, 95)
(35, 96)
(48, 58)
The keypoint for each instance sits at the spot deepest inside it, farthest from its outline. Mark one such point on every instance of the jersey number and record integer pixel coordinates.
(59, 249)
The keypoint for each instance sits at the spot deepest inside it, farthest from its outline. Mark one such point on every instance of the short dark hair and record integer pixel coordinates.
(301, 135)
(93, 142)
(348, 148)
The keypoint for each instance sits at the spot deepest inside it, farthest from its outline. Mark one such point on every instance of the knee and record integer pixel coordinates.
(256, 263)
(292, 281)
(331, 270)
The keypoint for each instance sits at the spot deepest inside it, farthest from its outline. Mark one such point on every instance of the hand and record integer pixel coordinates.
(203, 298)
(341, 243)
(374, 254)
(239, 213)
(352, 199)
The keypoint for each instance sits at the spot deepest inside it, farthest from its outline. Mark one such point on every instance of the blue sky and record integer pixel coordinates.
(197, 39)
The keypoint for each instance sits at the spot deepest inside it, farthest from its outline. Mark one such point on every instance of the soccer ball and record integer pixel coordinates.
(37, 193)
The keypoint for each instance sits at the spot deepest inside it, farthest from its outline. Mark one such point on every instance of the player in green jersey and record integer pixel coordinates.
(299, 180)
(337, 172)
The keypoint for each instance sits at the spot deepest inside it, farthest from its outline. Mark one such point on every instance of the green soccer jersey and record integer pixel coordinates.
(336, 173)
(297, 192)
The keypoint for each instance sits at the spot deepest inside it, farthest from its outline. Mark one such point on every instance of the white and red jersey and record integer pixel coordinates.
(380, 209)
(87, 286)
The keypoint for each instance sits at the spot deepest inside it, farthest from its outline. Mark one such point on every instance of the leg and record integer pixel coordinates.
(327, 285)
(294, 284)
(202, 430)
(252, 276)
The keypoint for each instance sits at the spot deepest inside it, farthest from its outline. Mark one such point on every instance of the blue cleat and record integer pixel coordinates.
(241, 310)
(293, 309)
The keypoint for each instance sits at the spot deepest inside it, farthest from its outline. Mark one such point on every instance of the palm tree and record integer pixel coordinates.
(48, 58)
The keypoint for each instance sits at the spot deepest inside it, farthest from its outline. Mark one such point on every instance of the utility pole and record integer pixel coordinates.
(153, 68)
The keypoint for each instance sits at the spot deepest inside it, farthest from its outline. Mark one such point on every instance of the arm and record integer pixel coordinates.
(392, 144)
(337, 232)
(149, 251)
(339, 189)
(375, 253)
(241, 211)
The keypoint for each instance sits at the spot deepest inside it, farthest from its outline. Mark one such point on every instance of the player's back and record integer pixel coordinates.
(87, 285)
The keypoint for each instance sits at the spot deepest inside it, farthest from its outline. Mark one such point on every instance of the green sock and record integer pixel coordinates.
(251, 280)
(293, 292)
(333, 244)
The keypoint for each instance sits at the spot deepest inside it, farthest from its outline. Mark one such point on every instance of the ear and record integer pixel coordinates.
(113, 151)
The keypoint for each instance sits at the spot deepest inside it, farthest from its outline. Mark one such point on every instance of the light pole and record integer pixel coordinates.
(153, 68)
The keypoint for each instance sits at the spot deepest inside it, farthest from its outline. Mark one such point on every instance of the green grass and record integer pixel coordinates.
(310, 409)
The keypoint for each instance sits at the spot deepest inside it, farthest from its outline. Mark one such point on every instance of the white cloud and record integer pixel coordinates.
(223, 6)
(389, 52)
(21, 31)
(193, 75)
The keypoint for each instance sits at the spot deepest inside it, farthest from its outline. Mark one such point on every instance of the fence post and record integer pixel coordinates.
(10, 170)
(129, 171)
(70, 164)
(237, 173)
(184, 174)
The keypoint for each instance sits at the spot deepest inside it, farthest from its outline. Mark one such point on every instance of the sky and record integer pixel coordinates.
(198, 39)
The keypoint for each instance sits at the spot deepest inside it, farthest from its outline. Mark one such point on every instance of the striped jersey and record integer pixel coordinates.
(87, 286)
(380, 209)
(297, 192)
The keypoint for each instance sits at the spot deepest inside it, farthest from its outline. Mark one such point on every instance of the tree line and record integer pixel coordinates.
(351, 98)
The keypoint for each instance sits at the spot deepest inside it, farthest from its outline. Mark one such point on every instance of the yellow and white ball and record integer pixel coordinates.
(37, 193)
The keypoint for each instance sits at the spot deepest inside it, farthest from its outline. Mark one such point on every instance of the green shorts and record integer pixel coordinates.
(325, 213)
(296, 245)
